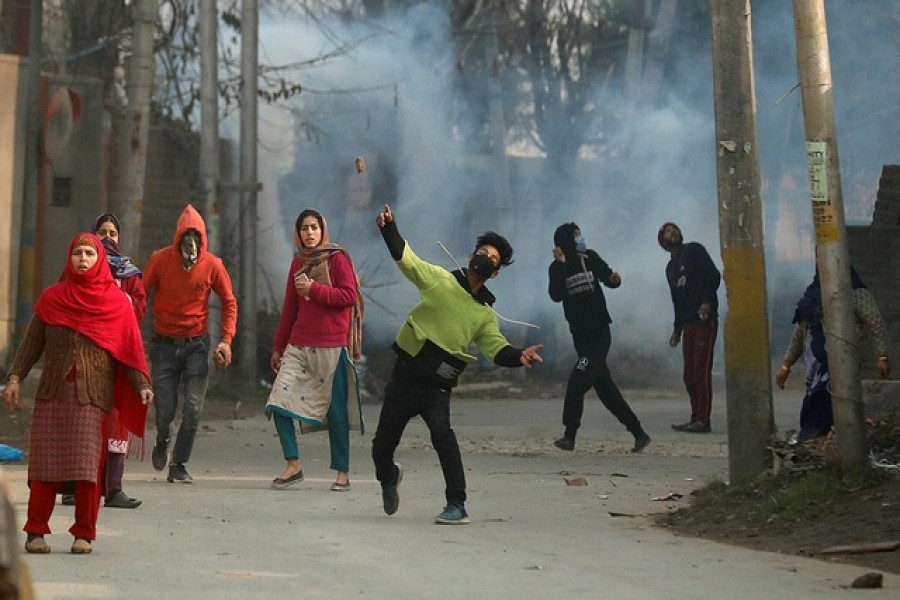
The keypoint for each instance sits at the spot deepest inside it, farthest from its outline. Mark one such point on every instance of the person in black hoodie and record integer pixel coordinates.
(575, 277)
(694, 282)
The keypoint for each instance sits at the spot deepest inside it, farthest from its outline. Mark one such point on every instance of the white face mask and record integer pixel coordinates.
(580, 244)
(190, 249)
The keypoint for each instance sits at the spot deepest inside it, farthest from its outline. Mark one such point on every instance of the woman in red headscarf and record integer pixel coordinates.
(85, 329)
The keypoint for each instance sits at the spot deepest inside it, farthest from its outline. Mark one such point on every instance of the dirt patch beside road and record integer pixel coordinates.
(866, 516)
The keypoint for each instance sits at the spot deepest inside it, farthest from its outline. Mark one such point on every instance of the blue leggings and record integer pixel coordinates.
(338, 424)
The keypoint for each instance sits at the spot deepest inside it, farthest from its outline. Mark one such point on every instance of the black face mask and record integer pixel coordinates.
(482, 266)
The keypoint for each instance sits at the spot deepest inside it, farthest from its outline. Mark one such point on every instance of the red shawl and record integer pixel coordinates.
(91, 304)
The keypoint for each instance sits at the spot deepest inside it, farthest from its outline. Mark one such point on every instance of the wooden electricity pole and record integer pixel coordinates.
(832, 256)
(748, 379)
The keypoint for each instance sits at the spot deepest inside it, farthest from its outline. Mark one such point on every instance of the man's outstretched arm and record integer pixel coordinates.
(389, 232)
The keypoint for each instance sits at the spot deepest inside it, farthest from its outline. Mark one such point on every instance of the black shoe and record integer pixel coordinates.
(68, 499)
(121, 500)
(565, 443)
(697, 427)
(282, 483)
(389, 495)
(160, 457)
(179, 473)
(640, 442)
(681, 427)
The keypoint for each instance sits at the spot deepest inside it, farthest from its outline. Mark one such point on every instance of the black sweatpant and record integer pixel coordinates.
(408, 395)
(590, 371)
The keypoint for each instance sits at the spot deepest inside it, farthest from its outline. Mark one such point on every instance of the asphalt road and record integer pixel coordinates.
(532, 536)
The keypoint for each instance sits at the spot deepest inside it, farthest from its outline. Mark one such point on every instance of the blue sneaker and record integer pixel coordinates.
(454, 514)
(389, 495)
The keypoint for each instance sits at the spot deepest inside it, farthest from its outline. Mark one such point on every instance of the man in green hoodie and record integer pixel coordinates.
(453, 312)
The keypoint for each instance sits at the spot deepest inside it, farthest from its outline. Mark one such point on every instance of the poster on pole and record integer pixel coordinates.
(822, 208)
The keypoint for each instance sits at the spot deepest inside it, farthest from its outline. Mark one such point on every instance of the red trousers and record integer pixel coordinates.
(697, 343)
(42, 500)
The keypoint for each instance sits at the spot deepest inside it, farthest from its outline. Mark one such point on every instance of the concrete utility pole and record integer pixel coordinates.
(832, 255)
(209, 121)
(27, 282)
(127, 189)
(247, 322)
(748, 380)
(209, 140)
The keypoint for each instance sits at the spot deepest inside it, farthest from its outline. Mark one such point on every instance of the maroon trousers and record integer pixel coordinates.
(697, 343)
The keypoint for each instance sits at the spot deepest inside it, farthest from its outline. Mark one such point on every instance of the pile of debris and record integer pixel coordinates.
(882, 437)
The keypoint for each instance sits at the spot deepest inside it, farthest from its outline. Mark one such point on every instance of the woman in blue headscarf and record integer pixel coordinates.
(808, 340)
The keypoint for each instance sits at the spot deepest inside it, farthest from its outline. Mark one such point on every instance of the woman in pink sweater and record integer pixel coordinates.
(317, 336)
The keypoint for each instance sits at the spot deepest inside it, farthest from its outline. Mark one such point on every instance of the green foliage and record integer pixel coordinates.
(788, 497)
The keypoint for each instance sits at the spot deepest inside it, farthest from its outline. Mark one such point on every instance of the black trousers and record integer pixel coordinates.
(405, 396)
(590, 371)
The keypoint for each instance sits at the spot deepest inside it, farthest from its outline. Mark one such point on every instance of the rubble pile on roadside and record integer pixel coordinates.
(882, 437)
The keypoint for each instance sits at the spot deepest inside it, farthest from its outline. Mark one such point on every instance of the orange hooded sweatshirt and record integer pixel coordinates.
(181, 297)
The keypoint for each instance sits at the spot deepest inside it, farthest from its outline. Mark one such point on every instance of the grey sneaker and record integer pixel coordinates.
(180, 474)
(454, 514)
(389, 495)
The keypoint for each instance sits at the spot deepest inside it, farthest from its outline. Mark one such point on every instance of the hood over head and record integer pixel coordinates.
(190, 219)
(564, 238)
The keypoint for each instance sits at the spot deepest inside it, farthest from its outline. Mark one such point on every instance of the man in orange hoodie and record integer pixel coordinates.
(180, 278)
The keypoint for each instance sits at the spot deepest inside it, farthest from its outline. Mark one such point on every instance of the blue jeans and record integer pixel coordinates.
(171, 365)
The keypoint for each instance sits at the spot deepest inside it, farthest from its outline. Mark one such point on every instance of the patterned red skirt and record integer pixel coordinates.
(67, 440)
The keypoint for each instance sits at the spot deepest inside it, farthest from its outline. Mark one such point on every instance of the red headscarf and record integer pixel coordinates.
(91, 304)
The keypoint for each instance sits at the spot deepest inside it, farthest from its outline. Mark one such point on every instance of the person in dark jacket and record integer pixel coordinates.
(575, 277)
(693, 281)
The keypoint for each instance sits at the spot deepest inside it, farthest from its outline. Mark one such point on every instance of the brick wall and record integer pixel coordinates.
(875, 252)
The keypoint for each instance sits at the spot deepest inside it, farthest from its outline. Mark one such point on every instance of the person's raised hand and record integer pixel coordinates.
(385, 216)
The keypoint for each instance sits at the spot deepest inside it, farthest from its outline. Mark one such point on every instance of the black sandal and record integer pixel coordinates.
(120, 500)
(280, 483)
